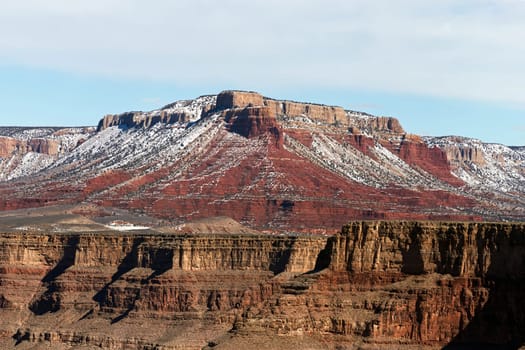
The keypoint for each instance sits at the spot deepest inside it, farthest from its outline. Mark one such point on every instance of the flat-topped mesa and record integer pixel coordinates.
(321, 113)
(241, 99)
(260, 106)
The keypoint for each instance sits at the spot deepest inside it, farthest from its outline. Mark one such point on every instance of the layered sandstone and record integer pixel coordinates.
(254, 121)
(470, 279)
(99, 279)
(458, 154)
(180, 112)
(25, 151)
(373, 125)
(414, 151)
(401, 284)
(10, 146)
(321, 113)
(238, 99)
(380, 284)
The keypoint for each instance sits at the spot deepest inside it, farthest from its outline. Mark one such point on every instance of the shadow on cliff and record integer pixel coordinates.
(323, 258)
(160, 263)
(413, 263)
(49, 300)
(500, 323)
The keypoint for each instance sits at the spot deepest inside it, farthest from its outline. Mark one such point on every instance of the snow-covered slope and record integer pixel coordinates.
(486, 166)
(266, 163)
(26, 151)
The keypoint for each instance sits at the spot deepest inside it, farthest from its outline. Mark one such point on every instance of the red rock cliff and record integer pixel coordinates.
(389, 284)
(241, 99)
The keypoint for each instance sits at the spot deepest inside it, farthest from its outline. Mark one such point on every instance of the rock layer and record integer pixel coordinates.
(322, 113)
(385, 284)
(10, 146)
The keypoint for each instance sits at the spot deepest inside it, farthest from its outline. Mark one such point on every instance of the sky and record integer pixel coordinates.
(442, 67)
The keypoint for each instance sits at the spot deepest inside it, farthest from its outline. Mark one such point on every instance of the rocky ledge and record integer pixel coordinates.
(373, 285)
(186, 111)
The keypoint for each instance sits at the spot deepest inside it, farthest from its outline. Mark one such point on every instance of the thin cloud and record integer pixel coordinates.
(469, 49)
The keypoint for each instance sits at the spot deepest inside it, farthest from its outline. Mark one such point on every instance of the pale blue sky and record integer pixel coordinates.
(442, 67)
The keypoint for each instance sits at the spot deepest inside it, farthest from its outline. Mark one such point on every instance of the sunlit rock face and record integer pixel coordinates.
(386, 284)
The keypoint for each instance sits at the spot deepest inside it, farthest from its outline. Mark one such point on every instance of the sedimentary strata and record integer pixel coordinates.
(374, 285)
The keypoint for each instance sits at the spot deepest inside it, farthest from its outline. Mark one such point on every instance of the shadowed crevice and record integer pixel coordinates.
(500, 324)
(413, 263)
(282, 256)
(160, 260)
(50, 300)
(324, 257)
(127, 264)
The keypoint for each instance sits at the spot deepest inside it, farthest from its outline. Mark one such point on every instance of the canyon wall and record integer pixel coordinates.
(98, 280)
(379, 284)
(457, 281)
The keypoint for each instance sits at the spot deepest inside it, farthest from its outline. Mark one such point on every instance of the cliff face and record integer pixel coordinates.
(414, 151)
(387, 284)
(253, 122)
(491, 166)
(379, 124)
(10, 146)
(322, 113)
(138, 120)
(167, 281)
(459, 249)
(399, 284)
(468, 285)
(180, 112)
